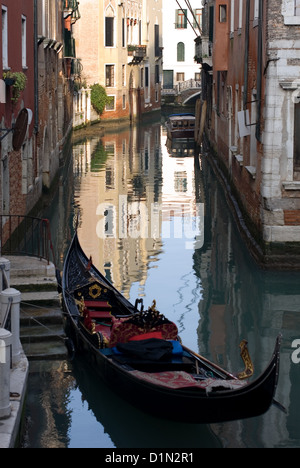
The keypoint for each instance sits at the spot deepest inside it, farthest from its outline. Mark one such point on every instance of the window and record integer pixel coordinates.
(123, 33)
(297, 138)
(232, 11)
(109, 28)
(179, 76)
(147, 83)
(256, 9)
(291, 12)
(157, 74)
(146, 76)
(211, 23)
(221, 92)
(109, 75)
(4, 39)
(180, 52)
(24, 56)
(110, 106)
(223, 14)
(156, 41)
(241, 14)
(181, 19)
(140, 32)
(197, 18)
(168, 79)
(123, 75)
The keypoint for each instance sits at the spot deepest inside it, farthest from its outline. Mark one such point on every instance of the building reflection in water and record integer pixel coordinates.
(241, 301)
(119, 186)
(133, 196)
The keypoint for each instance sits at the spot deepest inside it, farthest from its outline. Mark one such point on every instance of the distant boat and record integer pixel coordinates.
(181, 126)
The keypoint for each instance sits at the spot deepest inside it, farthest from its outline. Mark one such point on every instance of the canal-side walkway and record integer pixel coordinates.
(35, 279)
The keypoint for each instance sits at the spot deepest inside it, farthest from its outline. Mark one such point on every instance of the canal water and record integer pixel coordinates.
(155, 220)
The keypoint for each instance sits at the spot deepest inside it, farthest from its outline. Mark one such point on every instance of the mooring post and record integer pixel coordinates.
(5, 365)
(11, 297)
(4, 273)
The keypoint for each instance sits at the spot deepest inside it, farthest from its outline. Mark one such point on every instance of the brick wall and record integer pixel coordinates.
(292, 217)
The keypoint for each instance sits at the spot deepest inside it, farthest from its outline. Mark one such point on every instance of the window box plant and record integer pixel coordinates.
(18, 82)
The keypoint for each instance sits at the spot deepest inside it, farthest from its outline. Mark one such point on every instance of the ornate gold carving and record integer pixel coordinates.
(95, 291)
(81, 305)
(249, 369)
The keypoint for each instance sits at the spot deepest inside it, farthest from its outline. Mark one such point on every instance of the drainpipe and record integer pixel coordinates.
(259, 69)
(36, 89)
(246, 54)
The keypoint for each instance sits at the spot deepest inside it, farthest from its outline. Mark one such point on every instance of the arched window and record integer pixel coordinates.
(180, 52)
(109, 27)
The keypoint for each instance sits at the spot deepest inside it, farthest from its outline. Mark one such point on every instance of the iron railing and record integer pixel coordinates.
(26, 235)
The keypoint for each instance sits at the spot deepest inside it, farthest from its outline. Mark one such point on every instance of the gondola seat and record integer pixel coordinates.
(98, 306)
(98, 322)
(123, 331)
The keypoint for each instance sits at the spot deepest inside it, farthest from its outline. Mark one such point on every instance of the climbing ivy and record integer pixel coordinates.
(99, 98)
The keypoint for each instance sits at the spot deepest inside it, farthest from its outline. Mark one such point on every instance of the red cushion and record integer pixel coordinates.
(97, 304)
(147, 336)
(101, 314)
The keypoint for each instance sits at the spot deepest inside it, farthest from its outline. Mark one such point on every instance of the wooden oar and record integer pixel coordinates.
(249, 369)
(210, 364)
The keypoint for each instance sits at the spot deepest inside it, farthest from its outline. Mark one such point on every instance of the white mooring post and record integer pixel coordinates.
(5, 345)
(4, 273)
(12, 296)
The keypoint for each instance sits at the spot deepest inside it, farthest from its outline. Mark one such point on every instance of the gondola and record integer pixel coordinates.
(138, 354)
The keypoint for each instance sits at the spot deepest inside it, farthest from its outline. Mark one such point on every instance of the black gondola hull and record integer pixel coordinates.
(192, 405)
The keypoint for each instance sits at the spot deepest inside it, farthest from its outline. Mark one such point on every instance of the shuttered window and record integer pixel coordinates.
(109, 32)
(297, 138)
(109, 75)
(180, 52)
(181, 19)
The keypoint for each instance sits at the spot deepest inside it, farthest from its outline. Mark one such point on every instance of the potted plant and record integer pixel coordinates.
(18, 82)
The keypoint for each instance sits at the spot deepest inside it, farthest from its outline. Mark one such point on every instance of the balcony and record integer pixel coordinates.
(137, 52)
(203, 50)
(76, 68)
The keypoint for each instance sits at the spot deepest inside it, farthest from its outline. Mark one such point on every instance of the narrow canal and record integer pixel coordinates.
(155, 220)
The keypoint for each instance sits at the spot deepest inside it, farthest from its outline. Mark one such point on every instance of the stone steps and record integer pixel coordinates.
(42, 333)
(35, 279)
(41, 320)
